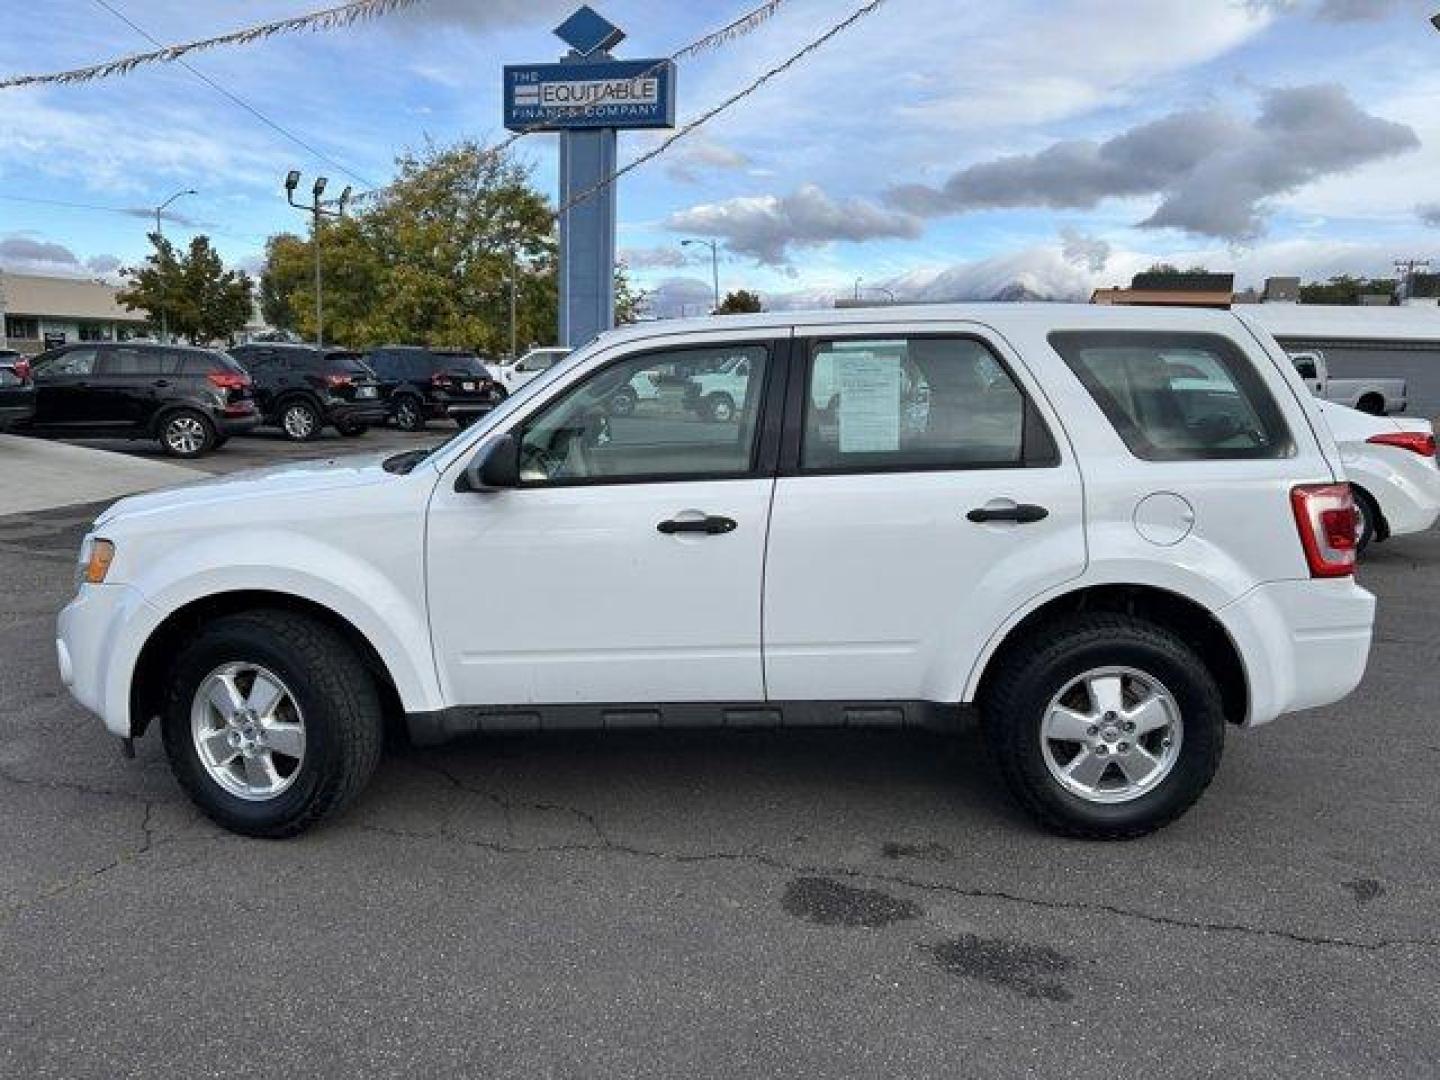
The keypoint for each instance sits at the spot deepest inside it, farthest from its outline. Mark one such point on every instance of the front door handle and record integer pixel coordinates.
(1023, 514)
(709, 526)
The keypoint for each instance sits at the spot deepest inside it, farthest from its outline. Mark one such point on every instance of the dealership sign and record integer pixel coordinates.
(594, 94)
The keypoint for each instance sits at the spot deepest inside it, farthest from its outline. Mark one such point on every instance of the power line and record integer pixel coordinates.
(224, 92)
(132, 211)
(334, 18)
(710, 114)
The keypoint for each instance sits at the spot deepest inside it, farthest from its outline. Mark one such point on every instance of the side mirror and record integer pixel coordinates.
(495, 467)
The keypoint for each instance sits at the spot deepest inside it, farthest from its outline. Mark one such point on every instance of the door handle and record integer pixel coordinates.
(162, 382)
(1024, 514)
(709, 526)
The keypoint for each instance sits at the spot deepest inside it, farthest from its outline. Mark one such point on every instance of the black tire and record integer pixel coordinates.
(719, 407)
(1373, 404)
(409, 413)
(352, 431)
(623, 402)
(1369, 519)
(186, 434)
(300, 420)
(1032, 675)
(343, 720)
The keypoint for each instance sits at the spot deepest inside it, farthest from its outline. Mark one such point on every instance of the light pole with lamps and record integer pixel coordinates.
(159, 236)
(318, 210)
(714, 246)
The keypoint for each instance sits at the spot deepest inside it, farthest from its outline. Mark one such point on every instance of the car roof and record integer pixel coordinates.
(1003, 317)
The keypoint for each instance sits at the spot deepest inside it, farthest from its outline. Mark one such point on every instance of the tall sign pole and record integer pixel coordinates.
(588, 97)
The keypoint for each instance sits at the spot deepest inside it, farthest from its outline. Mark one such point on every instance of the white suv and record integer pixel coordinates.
(1038, 511)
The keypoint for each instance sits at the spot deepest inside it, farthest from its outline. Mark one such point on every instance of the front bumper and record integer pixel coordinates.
(237, 425)
(1303, 643)
(357, 412)
(98, 638)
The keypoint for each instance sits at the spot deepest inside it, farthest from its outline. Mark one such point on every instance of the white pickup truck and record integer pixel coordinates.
(1376, 396)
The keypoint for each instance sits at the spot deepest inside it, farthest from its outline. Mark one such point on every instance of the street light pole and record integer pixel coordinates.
(318, 211)
(159, 236)
(714, 246)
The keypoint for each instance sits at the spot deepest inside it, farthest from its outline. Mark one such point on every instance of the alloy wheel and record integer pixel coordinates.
(185, 435)
(1111, 735)
(299, 422)
(248, 731)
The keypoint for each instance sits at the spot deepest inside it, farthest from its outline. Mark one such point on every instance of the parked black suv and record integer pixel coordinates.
(302, 389)
(190, 399)
(432, 384)
(17, 389)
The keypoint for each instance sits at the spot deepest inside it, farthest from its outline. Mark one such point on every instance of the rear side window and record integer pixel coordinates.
(1178, 397)
(131, 361)
(917, 403)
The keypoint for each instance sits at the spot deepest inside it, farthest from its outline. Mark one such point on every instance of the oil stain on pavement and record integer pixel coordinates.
(826, 902)
(1032, 971)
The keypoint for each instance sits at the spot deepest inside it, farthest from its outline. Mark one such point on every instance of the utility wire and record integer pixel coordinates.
(224, 92)
(705, 117)
(334, 18)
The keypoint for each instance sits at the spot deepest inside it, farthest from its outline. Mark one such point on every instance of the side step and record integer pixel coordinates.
(430, 728)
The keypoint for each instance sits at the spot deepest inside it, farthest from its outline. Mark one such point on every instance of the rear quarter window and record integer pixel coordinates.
(1178, 396)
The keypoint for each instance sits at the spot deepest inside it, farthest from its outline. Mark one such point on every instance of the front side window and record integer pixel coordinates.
(912, 403)
(1178, 397)
(681, 414)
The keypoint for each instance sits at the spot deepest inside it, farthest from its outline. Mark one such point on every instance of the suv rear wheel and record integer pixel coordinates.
(1106, 727)
(272, 722)
(299, 420)
(186, 433)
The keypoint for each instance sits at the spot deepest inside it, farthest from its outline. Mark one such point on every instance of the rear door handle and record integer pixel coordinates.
(1024, 514)
(709, 526)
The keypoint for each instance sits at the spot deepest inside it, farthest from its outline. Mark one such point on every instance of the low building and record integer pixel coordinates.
(43, 312)
(1172, 290)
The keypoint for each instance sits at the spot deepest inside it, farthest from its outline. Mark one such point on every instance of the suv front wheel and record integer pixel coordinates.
(272, 722)
(1106, 727)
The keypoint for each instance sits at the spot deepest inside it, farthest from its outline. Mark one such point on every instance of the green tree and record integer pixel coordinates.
(1344, 289)
(740, 302)
(201, 300)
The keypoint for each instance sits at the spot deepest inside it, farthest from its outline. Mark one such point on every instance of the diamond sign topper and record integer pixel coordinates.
(589, 32)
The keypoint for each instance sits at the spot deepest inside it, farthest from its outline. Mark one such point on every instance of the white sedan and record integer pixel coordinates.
(1392, 467)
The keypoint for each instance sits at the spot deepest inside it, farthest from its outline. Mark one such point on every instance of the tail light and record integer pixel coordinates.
(22, 370)
(230, 380)
(1328, 522)
(1417, 442)
(339, 380)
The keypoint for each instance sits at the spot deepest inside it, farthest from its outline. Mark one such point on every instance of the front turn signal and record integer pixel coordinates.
(102, 554)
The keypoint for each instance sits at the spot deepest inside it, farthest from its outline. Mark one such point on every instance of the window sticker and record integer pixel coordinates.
(869, 403)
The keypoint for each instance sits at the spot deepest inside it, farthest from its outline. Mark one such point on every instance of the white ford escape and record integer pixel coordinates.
(1114, 533)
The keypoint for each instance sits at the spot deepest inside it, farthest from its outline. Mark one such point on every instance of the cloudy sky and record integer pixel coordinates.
(1054, 144)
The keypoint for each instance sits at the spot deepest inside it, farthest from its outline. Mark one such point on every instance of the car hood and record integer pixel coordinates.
(329, 474)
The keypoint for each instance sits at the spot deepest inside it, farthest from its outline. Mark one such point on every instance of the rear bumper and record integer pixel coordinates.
(1303, 643)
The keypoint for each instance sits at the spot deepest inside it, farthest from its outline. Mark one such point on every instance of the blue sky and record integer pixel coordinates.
(1058, 144)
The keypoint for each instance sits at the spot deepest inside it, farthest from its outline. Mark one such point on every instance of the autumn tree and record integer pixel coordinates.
(200, 299)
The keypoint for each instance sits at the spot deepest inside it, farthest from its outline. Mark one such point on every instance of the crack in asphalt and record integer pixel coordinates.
(603, 843)
(604, 846)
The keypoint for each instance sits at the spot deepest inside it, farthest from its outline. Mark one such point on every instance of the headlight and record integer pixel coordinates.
(95, 558)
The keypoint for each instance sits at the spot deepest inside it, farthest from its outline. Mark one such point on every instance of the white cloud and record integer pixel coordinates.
(767, 227)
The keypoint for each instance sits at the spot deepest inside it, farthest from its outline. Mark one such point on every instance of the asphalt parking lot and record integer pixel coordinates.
(718, 904)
